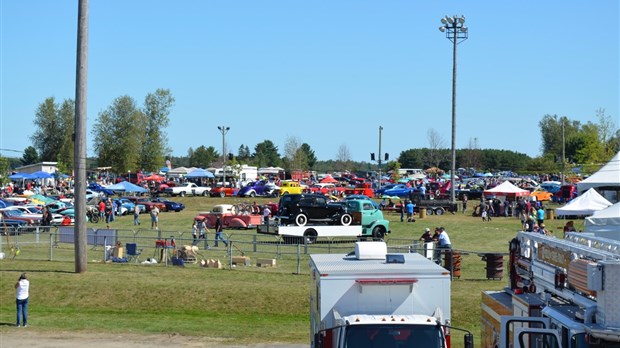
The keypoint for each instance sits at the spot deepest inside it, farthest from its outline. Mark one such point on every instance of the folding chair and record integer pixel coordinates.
(133, 253)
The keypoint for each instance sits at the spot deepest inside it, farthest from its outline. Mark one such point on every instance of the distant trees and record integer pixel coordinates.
(266, 155)
(129, 138)
(54, 125)
(30, 156)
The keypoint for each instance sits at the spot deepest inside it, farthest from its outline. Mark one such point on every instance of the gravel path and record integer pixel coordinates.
(26, 337)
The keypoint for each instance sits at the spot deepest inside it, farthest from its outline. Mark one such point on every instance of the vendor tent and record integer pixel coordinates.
(329, 179)
(506, 189)
(608, 176)
(200, 173)
(126, 186)
(178, 172)
(607, 219)
(586, 204)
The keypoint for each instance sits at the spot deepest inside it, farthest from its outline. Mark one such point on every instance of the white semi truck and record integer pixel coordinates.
(370, 298)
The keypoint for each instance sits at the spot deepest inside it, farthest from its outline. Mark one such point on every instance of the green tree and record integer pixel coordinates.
(4, 169)
(203, 157)
(266, 154)
(244, 154)
(65, 156)
(309, 155)
(156, 110)
(48, 135)
(30, 156)
(118, 135)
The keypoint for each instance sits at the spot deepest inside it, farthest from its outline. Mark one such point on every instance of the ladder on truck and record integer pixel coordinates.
(592, 241)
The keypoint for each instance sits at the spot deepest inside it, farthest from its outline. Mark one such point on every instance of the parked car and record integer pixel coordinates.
(541, 195)
(380, 191)
(400, 190)
(12, 214)
(290, 187)
(170, 205)
(127, 206)
(223, 191)
(37, 213)
(98, 188)
(189, 188)
(148, 204)
(300, 209)
(259, 188)
(62, 208)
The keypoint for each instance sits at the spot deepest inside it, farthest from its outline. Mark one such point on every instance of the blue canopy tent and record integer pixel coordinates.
(42, 175)
(22, 176)
(200, 173)
(126, 186)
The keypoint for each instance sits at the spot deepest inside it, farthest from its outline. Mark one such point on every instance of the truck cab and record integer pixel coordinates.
(370, 298)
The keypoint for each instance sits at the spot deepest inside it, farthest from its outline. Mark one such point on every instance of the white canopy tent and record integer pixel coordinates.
(607, 219)
(586, 204)
(608, 176)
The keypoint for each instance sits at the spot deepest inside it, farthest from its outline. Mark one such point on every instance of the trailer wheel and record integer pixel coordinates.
(439, 211)
(346, 219)
(300, 220)
(310, 236)
(378, 233)
(429, 211)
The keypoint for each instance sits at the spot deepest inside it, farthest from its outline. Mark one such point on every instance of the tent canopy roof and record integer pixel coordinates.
(608, 175)
(586, 204)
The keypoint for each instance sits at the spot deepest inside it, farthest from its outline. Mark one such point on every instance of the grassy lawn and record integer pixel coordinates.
(242, 305)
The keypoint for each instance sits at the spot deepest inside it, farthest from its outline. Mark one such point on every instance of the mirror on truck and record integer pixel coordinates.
(468, 341)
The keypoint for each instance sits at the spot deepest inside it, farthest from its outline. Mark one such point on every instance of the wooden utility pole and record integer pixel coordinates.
(79, 138)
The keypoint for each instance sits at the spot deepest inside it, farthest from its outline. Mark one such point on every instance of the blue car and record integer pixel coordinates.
(98, 188)
(400, 190)
(258, 188)
(381, 191)
(170, 205)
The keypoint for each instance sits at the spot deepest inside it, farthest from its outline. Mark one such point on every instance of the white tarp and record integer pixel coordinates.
(607, 219)
(608, 175)
(586, 204)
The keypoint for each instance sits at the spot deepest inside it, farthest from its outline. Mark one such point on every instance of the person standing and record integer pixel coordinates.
(154, 218)
(402, 208)
(410, 209)
(443, 240)
(136, 215)
(21, 301)
(218, 233)
(540, 215)
(266, 213)
(465, 203)
(202, 227)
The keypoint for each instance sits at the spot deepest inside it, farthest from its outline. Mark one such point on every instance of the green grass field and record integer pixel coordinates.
(244, 305)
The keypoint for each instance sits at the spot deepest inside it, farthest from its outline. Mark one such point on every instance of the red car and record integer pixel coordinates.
(148, 204)
(224, 191)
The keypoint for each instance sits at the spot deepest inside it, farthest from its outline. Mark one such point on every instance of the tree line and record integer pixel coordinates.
(131, 137)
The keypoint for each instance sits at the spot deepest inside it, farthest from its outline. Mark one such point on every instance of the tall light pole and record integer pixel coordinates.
(456, 32)
(380, 130)
(223, 130)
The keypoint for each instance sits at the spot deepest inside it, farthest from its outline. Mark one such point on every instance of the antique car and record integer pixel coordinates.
(299, 209)
(400, 190)
(290, 187)
(148, 204)
(259, 188)
(223, 191)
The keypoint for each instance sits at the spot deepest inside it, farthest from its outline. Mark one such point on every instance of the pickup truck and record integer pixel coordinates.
(189, 188)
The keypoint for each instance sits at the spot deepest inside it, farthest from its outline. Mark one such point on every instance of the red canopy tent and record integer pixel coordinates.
(329, 179)
(154, 177)
(507, 189)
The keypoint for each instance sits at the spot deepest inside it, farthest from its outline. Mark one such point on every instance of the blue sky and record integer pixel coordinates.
(325, 72)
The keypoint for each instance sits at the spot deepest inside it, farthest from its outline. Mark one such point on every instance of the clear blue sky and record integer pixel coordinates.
(325, 72)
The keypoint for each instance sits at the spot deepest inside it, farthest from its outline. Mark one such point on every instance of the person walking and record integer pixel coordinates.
(136, 215)
(202, 228)
(465, 199)
(154, 218)
(410, 207)
(21, 300)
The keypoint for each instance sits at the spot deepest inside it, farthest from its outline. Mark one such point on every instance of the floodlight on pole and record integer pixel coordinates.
(456, 32)
(223, 130)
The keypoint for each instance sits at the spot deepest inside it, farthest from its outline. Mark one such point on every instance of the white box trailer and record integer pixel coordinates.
(371, 298)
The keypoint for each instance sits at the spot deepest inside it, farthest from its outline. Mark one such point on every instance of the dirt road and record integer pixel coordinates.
(26, 337)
